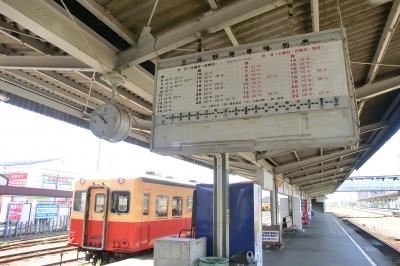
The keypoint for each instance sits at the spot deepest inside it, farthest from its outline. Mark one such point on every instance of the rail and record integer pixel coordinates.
(35, 253)
(32, 242)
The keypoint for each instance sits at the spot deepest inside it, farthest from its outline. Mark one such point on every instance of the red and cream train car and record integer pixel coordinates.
(115, 217)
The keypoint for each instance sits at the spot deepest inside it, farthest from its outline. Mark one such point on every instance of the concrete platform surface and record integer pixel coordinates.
(142, 260)
(327, 241)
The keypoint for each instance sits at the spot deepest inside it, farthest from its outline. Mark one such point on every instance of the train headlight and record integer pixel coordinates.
(82, 181)
(121, 180)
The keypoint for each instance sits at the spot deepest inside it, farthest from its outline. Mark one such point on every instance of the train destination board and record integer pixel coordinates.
(255, 97)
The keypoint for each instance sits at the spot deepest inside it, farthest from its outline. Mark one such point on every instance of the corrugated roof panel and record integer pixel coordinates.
(274, 24)
(134, 14)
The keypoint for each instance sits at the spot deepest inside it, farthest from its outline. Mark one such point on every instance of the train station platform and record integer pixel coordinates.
(326, 241)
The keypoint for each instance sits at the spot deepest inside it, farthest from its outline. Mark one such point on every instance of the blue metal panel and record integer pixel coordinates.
(241, 227)
(46, 211)
(204, 214)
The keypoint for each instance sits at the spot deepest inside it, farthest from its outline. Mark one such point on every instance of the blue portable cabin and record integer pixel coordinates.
(245, 217)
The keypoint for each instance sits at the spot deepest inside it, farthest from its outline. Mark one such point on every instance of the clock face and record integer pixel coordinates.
(105, 121)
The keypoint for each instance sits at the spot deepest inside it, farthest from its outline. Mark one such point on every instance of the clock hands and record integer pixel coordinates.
(101, 117)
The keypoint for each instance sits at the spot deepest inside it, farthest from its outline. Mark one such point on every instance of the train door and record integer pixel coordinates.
(145, 225)
(95, 219)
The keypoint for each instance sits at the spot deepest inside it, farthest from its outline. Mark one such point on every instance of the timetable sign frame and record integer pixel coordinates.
(287, 93)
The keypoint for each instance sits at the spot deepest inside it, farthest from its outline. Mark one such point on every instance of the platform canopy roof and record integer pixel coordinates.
(390, 195)
(371, 183)
(49, 62)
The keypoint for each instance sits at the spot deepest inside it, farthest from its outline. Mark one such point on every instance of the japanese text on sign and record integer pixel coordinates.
(46, 211)
(52, 181)
(14, 211)
(288, 93)
(17, 179)
(253, 82)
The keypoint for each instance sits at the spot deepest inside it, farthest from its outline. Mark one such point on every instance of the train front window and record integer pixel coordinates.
(120, 201)
(162, 206)
(79, 200)
(99, 202)
(176, 206)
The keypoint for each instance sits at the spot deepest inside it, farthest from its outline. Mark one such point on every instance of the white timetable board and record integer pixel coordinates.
(286, 93)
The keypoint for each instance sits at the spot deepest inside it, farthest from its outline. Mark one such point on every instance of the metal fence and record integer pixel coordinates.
(15, 229)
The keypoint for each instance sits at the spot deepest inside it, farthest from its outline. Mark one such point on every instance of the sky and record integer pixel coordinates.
(26, 135)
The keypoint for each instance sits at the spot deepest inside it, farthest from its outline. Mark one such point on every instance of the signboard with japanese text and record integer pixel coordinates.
(286, 93)
(46, 211)
(54, 181)
(14, 211)
(17, 179)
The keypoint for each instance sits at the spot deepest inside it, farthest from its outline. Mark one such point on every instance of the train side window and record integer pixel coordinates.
(162, 206)
(79, 200)
(190, 203)
(99, 202)
(120, 201)
(146, 201)
(176, 206)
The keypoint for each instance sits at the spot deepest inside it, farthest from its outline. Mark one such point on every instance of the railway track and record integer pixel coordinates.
(64, 261)
(380, 244)
(34, 253)
(33, 242)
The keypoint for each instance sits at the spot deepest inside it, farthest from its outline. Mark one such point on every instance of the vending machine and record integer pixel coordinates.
(305, 213)
(245, 230)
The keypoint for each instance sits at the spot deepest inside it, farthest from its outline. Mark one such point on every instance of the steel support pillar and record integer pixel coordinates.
(274, 204)
(221, 205)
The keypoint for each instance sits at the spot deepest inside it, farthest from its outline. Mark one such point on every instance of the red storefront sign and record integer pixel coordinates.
(15, 211)
(17, 179)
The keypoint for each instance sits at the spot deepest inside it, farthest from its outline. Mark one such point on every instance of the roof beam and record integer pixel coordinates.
(272, 153)
(319, 168)
(234, 167)
(306, 182)
(315, 15)
(99, 98)
(30, 92)
(321, 187)
(145, 107)
(320, 190)
(75, 39)
(316, 160)
(251, 157)
(57, 63)
(41, 97)
(317, 175)
(250, 10)
(321, 184)
(388, 32)
(377, 88)
(231, 36)
(80, 100)
(39, 17)
(214, 6)
(33, 43)
(107, 18)
(184, 34)
(374, 126)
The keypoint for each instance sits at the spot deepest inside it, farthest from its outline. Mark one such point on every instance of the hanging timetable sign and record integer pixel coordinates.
(285, 93)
